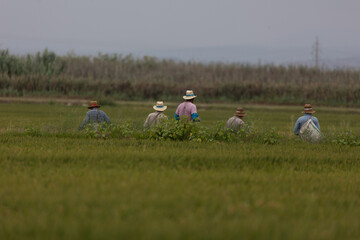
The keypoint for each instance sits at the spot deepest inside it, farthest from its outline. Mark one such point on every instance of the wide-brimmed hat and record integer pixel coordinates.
(94, 104)
(160, 106)
(189, 95)
(240, 112)
(308, 108)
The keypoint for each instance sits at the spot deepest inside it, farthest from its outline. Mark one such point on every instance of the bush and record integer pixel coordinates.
(32, 131)
(173, 130)
(347, 138)
(104, 131)
(192, 131)
(272, 137)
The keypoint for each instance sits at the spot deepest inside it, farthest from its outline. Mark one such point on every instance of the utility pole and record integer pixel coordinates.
(317, 52)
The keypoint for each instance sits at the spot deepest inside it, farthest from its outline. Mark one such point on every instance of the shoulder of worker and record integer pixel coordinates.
(315, 118)
(152, 114)
(179, 105)
(193, 107)
(232, 118)
(238, 120)
(182, 104)
(102, 112)
(94, 110)
(303, 117)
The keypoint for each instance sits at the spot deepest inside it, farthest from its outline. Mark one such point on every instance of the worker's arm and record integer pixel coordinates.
(147, 122)
(106, 118)
(85, 121)
(194, 115)
(297, 127)
(316, 122)
(177, 117)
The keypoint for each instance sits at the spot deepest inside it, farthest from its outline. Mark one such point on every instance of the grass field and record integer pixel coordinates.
(80, 188)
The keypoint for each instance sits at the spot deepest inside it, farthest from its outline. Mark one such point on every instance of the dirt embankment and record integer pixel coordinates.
(203, 106)
(38, 100)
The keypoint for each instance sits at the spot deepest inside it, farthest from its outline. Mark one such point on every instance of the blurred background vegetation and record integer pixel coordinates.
(119, 77)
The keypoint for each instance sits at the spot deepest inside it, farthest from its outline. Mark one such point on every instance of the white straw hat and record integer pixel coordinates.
(160, 106)
(189, 95)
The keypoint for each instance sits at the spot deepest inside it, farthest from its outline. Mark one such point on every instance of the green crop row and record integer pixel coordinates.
(187, 131)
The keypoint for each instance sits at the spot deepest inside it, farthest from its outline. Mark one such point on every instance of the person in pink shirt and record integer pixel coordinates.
(188, 108)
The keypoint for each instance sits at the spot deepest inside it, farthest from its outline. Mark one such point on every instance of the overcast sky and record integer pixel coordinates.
(127, 25)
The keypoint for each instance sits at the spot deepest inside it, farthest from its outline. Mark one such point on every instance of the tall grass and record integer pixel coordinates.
(61, 188)
(128, 78)
(56, 183)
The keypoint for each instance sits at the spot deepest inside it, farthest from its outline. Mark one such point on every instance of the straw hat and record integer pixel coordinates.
(160, 106)
(189, 95)
(240, 112)
(94, 104)
(308, 108)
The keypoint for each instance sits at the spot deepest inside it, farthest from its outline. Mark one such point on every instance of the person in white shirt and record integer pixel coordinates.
(155, 117)
(236, 123)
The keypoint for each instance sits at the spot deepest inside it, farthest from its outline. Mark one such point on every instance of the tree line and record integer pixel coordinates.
(115, 76)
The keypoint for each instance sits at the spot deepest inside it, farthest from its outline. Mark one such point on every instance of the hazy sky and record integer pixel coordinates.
(103, 25)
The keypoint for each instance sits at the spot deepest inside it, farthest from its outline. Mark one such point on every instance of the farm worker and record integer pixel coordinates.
(308, 111)
(155, 117)
(188, 108)
(236, 122)
(94, 116)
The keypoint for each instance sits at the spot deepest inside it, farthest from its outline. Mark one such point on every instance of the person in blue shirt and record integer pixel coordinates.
(94, 116)
(308, 111)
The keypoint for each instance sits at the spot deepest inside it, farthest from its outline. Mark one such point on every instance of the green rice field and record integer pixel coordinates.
(69, 186)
